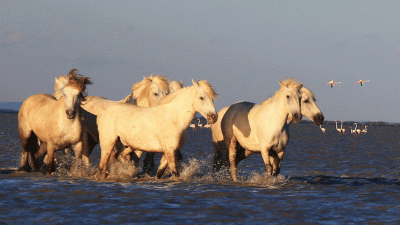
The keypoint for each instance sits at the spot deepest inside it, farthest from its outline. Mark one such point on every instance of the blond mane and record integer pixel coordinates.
(175, 85)
(306, 92)
(203, 83)
(288, 82)
(79, 82)
(60, 82)
(139, 87)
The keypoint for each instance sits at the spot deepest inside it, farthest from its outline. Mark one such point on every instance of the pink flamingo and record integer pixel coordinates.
(361, 82)
(332, 83)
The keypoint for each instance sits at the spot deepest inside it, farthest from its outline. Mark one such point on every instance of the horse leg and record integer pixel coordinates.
(217, 157)
(87, 147)
(107, 147)
(29, 144)
(148, 162)
(171, 159)
(50, 158)
(232, 158)
(179, 159)
(265, 156)
(135, 156)
(162, 167)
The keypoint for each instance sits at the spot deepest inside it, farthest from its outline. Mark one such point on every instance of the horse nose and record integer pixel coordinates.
(319, 119)
(297, 117)
(212, 118)
(70, 113)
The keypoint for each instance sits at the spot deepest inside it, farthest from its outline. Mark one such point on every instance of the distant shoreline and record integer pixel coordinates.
(376, 123)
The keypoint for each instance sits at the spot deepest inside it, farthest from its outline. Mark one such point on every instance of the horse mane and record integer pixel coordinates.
(139, 87)
(207, 87)
(60, 82)
(305, 91)
(288, 82)
(78, 81)
(175, 85)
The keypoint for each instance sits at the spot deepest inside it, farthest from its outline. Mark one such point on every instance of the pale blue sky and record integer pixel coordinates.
(241, 47)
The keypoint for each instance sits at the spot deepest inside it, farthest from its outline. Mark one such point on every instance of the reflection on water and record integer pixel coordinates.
(325, 178)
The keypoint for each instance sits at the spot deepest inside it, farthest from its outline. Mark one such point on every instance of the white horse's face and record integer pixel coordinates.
(292, 98)
(156, 93)
(204, 104)
(72, 100)
(309, 108)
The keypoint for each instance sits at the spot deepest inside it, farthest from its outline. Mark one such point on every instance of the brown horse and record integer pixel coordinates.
(56, 123)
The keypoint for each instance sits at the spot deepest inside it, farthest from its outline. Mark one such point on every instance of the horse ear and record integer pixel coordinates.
(195, 83)
(281, 83)
(144, 78)
(301, 85)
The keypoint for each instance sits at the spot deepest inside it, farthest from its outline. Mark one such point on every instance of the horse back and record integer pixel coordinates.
(236, 118)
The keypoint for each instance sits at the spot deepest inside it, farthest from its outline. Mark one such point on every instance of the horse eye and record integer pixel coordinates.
(306, 101)
(156, 94)
(201, 98)
(287, 96)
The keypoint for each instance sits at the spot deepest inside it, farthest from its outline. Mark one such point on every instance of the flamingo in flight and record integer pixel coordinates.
(332, 83)
(361, 82)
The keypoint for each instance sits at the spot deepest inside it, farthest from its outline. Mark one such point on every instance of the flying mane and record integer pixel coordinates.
(203, 83)
(141, 86)
(79, 82)
(288, 82)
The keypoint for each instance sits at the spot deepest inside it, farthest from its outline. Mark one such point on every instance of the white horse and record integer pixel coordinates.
(245, 128)
(148, 162)
(154, 129)
(146, 93)
(56, 123)
(308, 107)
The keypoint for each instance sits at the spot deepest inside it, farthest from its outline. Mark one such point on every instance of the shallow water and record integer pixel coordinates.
(325, 178)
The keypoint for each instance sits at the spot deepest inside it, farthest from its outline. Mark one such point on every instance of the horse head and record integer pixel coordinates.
(74, 92)
(150, 91)
(204, 100)
(290, 96)
(309, 108)
(175, 85)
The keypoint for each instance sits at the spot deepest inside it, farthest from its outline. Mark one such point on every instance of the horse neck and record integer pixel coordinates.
(180, 109)
(280, 116)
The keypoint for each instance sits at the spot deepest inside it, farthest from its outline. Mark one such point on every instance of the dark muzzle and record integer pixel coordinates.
(212, 118)
(319, 119)
(70, 113)
(297, 117)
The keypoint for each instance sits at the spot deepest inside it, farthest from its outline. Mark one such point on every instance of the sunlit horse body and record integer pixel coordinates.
(245, 128)
(155, 129)
(309, 109)
(148, 162)
(55, 123)
(146, 93)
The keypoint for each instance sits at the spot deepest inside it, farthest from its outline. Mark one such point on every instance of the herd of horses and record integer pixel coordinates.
(154, 118)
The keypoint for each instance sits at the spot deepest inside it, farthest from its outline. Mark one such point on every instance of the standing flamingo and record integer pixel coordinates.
(332, 83)
(365, 129)
(357, 131)
(340, 130)
(341, 127)
(199, 124)
(192, 125)
(361, 82)
(323, 129)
